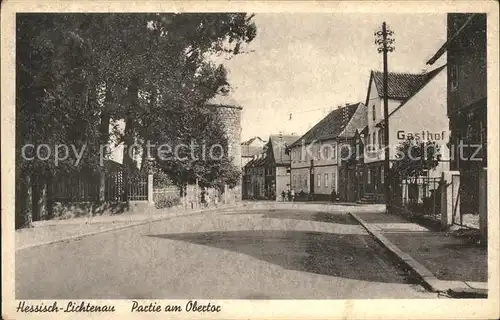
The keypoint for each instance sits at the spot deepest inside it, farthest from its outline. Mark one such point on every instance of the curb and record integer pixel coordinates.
(455, 289)
(132, 224)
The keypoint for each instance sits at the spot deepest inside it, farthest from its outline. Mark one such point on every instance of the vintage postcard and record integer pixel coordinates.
(250, 160)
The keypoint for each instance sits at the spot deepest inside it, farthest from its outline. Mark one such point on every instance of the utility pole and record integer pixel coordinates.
(345, 162)
(384, 43)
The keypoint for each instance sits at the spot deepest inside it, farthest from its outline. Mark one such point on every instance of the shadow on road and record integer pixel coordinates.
(347, 256)
(341, 218)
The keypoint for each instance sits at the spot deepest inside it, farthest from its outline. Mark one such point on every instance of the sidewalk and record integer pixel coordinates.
(444, 261)
(52, 231)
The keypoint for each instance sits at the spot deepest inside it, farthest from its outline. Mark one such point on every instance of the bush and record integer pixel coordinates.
(167, 202)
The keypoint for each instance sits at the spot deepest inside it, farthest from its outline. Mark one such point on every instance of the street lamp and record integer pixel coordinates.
(385, 44)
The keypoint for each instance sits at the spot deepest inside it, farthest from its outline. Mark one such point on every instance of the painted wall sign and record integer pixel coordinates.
(423, 135)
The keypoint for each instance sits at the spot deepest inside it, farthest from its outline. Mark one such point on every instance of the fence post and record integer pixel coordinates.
(150, 189)
(102, 186)
(483, 203)
(225, 194)
(196, 194)
(184, 196)
(449, 197)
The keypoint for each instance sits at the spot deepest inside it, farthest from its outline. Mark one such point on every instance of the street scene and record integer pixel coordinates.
(251, 156)
(257, 253)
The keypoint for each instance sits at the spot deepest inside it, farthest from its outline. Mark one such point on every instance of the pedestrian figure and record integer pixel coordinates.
(292, 195)
(289, 198)
(283, 195)
(334, 196)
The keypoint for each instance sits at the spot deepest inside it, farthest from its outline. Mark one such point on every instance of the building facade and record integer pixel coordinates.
(467, 101)
(250, 148)
(268, 174)
(408, 95)
(315, 156)
(254, 177)
(278, 165)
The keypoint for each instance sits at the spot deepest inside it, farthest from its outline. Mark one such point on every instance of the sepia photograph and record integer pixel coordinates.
(177, 159)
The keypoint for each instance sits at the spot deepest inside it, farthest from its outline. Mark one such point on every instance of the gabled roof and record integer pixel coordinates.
(279, 146)
(357, 122)
(250, 151)
(252, 140)
(429, 76)
(399, 85)
(330, 126)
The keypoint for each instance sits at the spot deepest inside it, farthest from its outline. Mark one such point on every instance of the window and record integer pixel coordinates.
(319, 180)
(326, 179)
(381, 139)
(369, 176)
(294, 155)
(334, 152)
(294, 181)
(374, 138)
(305, 181)
(326, 152)
(382, 175)
(373, 113)
(334, 180)
(319, 152)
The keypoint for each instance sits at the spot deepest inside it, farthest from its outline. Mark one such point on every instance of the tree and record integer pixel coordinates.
(77, 72)
(53, 104)
(414, 158)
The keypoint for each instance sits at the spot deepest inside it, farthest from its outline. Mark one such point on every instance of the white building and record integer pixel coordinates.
(417, 107)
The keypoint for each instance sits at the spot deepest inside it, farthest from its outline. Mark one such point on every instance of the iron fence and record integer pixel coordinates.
(418, 196)
(76, 187)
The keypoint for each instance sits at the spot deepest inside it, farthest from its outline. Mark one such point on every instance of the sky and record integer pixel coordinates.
(308, 63)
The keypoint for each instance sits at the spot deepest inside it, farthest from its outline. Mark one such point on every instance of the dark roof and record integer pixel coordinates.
(358, 121)
(280, 145)
(250, 151)
(329, 127)
(400, 86)
(429, 76)
(259, 162)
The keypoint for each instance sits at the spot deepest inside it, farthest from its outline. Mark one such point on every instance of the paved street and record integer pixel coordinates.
(228, 254)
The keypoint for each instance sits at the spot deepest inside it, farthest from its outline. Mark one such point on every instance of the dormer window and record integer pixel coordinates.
(373, 113)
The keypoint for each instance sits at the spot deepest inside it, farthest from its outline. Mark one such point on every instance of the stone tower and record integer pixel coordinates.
(230, 113)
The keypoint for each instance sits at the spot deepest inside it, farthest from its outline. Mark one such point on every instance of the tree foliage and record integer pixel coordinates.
(414, 158)
(78, 72)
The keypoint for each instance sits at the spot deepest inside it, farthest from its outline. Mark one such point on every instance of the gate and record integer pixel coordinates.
(138, 188)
